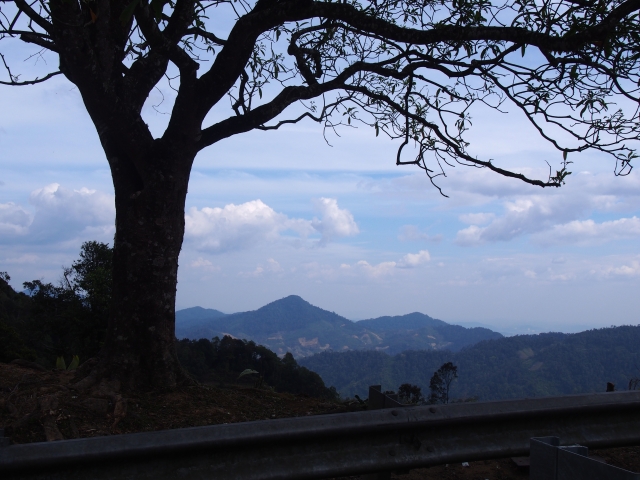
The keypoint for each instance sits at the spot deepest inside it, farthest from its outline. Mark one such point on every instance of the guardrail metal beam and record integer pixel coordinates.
(334, 445)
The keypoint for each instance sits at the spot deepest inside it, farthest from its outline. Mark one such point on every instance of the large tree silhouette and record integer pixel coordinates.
(410, 69)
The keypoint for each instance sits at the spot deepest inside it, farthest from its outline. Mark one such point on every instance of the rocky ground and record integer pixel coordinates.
(37, 405)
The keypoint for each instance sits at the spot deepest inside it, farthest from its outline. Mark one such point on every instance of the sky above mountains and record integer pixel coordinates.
(270, 214)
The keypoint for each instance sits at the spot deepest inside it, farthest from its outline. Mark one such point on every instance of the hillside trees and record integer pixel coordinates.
(408, 393)
(440, 383)
(223, 359)
(410, 69)
(69, 318)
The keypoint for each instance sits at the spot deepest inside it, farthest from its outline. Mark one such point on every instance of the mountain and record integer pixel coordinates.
(412, 321)
(292, 324)
(508, 367)
(195, 322)
(417, 331)
(196, 314)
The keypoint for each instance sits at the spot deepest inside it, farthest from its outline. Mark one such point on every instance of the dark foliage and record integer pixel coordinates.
(13, 308)
(440, 383)
(408, 393)
(59, 320)
(222, 360)
(71, 318)
(513, 367)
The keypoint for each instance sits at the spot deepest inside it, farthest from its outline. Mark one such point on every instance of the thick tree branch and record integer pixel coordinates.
(33, 16)
(257, 117)
(143, 75)
(178, 23)
(40, 40)
(164, 45)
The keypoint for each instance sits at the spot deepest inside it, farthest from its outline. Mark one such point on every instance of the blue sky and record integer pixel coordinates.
(270, 214)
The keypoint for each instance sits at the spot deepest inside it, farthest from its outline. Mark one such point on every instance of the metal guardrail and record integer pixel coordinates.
(336, 444)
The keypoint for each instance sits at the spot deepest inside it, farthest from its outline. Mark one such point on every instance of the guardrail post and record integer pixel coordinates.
(543, 458)
(550, 461)
(377, 401)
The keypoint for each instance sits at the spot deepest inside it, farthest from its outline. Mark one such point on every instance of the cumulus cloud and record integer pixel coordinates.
(590, 232)
(63, 213)
(237, 227)
(526, 215)
(14, 220)
(271, 267)
(60, 214)
(334, 221)
(411, 260)
(204, 264)
(376, 271)
(631, 270)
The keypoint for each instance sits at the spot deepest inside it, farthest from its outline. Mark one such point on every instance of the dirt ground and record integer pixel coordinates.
(38, 405)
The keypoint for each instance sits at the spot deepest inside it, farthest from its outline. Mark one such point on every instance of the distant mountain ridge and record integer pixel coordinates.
(292, 324)
(411, 321)
(509, 367)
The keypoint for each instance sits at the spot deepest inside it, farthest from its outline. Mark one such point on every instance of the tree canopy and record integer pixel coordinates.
(413, 70)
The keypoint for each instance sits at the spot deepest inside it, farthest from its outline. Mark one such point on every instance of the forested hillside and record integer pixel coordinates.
(514, 367)
(292, 324)
(70, 319)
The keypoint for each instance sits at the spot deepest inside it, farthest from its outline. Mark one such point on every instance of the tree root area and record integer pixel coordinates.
(38, 406)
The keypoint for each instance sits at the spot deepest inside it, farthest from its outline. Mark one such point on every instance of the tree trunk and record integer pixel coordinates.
(139, 351)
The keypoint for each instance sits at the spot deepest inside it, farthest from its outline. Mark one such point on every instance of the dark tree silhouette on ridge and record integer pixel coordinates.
(440, 383)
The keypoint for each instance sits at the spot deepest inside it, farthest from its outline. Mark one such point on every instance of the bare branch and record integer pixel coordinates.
(195, 31)
(33, 16)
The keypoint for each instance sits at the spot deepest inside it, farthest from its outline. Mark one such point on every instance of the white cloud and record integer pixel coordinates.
(60, 214)
(470, 236)
(201, 262)
(630, 270)
(238, 227)
(523, 215)
(272, 267)
(14, 220)
(334, 222)
(204, 264)
(376, 271)
(590, 232)
(411, 260)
